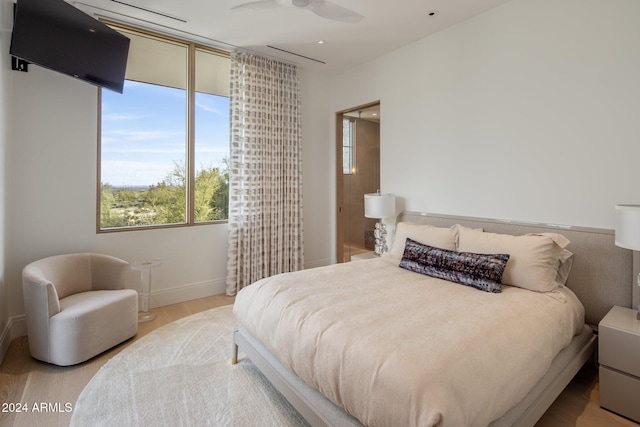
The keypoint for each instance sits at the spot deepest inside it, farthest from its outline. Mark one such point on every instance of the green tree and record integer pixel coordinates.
(165, 202)
(108, 215)
(211, 201)
(166, 199)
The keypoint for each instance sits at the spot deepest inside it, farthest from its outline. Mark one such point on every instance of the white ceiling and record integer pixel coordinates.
(387, 25)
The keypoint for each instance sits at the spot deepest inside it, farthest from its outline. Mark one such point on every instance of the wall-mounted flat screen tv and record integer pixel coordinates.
(55, 35)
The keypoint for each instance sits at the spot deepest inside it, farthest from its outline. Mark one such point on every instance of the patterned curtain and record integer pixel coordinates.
(265, 183)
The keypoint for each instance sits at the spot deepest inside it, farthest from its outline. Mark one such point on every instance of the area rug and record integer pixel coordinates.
(181, 375)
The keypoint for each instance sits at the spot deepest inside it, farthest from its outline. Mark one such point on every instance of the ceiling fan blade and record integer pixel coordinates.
(329, 10)
(257, 5)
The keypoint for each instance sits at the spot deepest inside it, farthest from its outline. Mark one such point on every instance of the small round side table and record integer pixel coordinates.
(145, 267)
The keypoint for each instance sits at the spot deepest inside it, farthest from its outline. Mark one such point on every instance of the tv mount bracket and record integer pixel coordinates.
(19, 64)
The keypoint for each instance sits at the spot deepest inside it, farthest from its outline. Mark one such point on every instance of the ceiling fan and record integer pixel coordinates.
(323, 8)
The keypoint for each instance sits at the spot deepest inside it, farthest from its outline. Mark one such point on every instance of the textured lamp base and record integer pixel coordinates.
(380, 234)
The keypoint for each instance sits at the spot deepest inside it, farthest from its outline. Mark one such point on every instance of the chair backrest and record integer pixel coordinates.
(108, 272)
(69, 273)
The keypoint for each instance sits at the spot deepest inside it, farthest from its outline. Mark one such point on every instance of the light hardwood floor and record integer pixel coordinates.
(25, 380)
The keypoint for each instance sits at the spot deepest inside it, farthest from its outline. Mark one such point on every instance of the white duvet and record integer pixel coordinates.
(396, 348)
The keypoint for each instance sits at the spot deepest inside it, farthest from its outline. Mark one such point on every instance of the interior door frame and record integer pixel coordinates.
(340, 178)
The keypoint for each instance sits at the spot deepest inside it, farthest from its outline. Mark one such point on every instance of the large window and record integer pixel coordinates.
(164, 142)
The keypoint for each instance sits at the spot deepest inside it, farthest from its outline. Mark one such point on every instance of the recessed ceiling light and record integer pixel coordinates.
(432, 13)
(320, 41)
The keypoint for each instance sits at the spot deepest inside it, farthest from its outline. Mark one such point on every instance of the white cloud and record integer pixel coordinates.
(122, 117)
(216, 150)
(211, 109)
(144, 150)
(144, 135)
(131, 173)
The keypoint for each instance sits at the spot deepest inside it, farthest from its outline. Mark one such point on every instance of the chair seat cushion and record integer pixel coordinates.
(91, 322)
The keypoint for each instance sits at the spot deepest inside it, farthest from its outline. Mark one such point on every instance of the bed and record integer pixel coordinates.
(371, 343)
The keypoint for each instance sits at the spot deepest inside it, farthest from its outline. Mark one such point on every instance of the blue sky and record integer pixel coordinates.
(144, 133)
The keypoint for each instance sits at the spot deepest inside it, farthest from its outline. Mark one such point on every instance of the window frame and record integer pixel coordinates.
(190, 134)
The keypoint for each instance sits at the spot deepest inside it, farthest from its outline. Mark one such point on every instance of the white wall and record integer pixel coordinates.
(50, 204)
(51, 170)
(317, 175)
(529, 111)
(5, 88)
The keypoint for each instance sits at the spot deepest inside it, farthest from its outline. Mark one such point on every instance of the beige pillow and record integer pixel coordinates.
(534, 259)
(566, 262)
(440, 237)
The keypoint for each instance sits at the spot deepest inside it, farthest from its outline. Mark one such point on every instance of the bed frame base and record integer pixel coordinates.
(317, 410)
(548, 395)
(320, 412)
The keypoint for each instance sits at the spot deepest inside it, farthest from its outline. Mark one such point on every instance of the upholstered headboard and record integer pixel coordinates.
(601, 275)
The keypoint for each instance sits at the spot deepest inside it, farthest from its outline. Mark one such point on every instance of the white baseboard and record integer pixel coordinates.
(318, 263)
(187, 292)
(207, 288)
(16, 327)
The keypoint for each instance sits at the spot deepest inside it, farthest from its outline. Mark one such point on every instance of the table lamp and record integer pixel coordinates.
(628, 232)
(380, 206)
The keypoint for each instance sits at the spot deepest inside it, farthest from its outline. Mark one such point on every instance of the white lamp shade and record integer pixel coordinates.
(628, 226)
(378, 205)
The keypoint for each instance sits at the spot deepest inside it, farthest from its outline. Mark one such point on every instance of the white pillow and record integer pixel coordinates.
(534, 259)
(566, 262)
(440, 237)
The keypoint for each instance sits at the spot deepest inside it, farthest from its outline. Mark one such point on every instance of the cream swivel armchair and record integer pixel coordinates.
(77, 306)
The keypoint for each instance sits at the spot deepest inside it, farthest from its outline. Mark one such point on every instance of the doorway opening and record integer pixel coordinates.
(358, 173)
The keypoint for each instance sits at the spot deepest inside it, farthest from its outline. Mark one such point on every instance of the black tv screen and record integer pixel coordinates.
(56, 35)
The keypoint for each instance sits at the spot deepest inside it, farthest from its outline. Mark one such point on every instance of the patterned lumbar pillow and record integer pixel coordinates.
(481, 271)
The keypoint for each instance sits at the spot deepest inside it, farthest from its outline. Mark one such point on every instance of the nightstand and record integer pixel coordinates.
(619, 353)
(366, 255)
